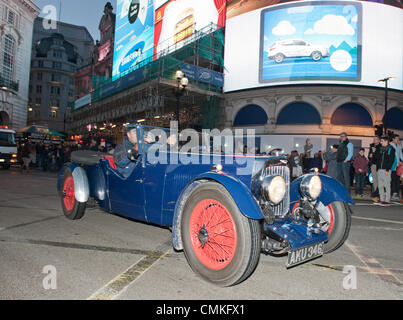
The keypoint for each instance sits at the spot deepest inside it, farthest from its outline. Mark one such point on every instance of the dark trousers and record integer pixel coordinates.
(359, 183)
(343, 174)
(395, 185)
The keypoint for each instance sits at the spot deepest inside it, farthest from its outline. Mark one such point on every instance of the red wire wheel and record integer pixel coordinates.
(212, 234)
(221, 244)
(328, 228)
(338, 220)
(72, 209)
(68, 193)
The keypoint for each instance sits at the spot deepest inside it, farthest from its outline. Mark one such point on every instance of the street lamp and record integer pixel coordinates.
(182, 82)
(385, 121)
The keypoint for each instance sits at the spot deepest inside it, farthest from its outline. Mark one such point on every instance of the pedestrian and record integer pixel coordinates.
(385, 159)
(360, 165)
(32, 154)
(316, 162)
(395, 187)
(45, 157)
(331, 158)
(308, 147)
(373, 149)
(344, 156)
(25, 157)
(295, 164)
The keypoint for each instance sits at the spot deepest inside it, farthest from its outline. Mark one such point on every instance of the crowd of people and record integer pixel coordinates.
(51, 156)
(383, 167)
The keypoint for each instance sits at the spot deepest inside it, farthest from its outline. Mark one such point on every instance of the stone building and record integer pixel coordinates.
(56, 55)
(16, 24)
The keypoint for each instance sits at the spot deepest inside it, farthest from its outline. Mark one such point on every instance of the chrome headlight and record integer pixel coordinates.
(273, 189)
(311, 187)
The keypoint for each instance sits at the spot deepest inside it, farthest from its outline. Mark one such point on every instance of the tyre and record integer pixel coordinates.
(72, 209)
(316, 56)
(221, 245)
(336, 222)
(279, 57)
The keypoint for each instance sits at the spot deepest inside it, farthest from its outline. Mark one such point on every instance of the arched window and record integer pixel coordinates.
(251, 115)
(8, 57)
(351, 114)
(299, 113)
(394, 118)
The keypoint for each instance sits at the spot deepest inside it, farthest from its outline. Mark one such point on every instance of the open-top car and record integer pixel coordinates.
(224, 209)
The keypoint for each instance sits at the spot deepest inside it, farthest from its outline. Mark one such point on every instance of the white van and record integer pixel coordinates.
(8, 148)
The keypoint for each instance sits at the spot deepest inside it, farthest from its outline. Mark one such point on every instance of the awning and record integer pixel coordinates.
(40, 131)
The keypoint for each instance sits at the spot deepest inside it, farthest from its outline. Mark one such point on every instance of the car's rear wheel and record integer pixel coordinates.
(220, 244)
(72, 209)
(279, 57)
(316, 56)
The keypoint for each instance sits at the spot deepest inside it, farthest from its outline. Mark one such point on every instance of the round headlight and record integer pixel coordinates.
(274, 189)
(311, 186)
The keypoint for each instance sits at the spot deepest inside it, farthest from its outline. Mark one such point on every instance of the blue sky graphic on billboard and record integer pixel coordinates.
(134, 34)
(321, 41)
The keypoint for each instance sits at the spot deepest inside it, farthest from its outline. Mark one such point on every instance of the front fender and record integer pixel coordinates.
(238, 190)
(81, 185)
(332, 190)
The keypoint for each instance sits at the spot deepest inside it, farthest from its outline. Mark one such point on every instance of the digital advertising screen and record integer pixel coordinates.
(178, 20)
(306, 42)
(134, 34)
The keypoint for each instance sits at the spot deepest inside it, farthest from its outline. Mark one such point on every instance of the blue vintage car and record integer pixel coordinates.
(222, 214)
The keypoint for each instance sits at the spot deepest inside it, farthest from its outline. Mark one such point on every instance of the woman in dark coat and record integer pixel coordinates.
(331, 158)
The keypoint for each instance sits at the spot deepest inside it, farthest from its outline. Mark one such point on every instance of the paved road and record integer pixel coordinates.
(103, 256)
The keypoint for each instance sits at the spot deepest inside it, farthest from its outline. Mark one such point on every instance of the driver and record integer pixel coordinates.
(120, 155)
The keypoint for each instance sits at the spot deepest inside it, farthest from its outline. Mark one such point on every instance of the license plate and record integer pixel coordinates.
(304, 254)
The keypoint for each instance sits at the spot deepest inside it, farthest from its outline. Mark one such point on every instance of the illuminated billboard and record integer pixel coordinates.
(178, 20)
(134, 34)
(321, 42)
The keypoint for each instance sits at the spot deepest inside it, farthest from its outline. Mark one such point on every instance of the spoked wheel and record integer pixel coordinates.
(220, 244)
(335, 220)
(72, 209)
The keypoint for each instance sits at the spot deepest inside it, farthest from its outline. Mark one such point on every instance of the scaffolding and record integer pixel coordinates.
(203, 49)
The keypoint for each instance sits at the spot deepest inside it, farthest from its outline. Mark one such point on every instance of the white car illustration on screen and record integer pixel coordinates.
(296, 48)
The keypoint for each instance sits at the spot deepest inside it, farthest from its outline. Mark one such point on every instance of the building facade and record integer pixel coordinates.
(285, 116)
(56, 55)
(100, 68)
(16, 24)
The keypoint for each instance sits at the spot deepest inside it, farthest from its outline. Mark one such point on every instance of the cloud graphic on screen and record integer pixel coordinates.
(332, 24)
(284, 28)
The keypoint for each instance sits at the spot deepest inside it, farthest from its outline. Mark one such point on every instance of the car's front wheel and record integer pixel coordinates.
(220, 244)
(316, 56)
(335, 221)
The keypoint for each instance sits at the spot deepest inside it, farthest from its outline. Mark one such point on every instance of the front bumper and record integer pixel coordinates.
(297, 233)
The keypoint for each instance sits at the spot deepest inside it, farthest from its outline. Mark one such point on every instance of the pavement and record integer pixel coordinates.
(44, 256)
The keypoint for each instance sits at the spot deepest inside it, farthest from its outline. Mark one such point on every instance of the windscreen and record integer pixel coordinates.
(7, 139)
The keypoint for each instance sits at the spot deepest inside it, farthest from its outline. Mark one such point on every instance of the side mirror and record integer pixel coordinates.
(132, 155)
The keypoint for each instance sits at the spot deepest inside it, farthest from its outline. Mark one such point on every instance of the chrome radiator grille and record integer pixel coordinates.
(282, 208)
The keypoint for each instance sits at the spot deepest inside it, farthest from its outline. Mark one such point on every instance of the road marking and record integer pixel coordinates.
(377, 220)
(29, 223)
(120, 283)
(372, 204)
(373, 266)
(75, 246)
